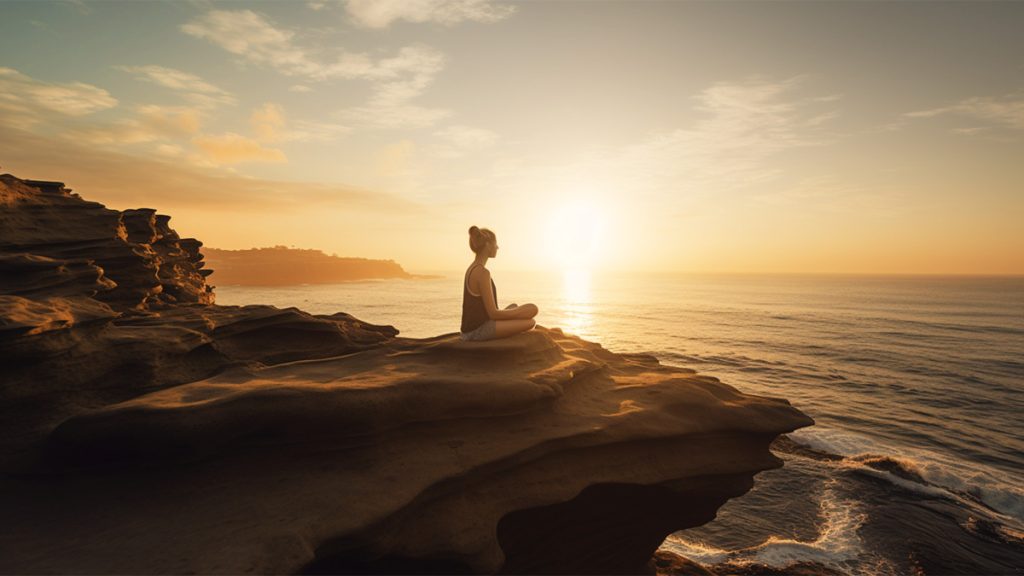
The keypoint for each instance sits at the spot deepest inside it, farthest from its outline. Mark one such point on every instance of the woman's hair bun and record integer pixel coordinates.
(478, 238)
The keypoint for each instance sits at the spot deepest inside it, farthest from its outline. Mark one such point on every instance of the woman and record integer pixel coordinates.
(481, 319)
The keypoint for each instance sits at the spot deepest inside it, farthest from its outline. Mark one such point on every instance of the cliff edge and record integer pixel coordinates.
(147, 435)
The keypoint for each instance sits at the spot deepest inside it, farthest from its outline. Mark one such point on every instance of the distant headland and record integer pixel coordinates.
(281, 265)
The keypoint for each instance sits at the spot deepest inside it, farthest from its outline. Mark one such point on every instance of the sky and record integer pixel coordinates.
(748, 137)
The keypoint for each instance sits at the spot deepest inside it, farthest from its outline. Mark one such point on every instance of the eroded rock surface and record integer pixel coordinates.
(143, 260)
(158, 437)
(98, 306)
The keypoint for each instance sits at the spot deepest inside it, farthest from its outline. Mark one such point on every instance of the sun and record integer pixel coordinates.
(574, 235)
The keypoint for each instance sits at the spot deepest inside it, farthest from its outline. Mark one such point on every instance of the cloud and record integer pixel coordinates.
(393, 116)
(1007, 111)
(306, 131)
(970, 130)
(249, 34)
(170, 150)
(468, 136)
(65, 110)
(395, 158)
(130, 181)
(750, 115)
(404, 75)
(742, 126)
(382, 13)
(171, 120)
(79, 6)
(255, 38)
(25, 101)
(267, 122)
(151, 123)
(194, 87)
(395, 80)
(231, 148)
(459, 140)
(299, 88)
(401, 79)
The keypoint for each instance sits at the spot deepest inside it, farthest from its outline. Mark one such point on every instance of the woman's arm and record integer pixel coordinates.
(483, 288)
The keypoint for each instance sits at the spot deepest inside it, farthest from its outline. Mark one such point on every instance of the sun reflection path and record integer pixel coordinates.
(576, 303)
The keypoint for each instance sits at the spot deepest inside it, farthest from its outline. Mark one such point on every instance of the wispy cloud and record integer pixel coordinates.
(151, 123)
(1006, 111)
(66, 111)
(402, 78)
(459, 140)
(25, 101)
(252, 36)
(395, 81)
(79, 6)
(257, 40)
(744, 125)
(231, 148)
(269, 123)
(382, 13)
(195, 89)
(307, 131)
(127, 180)
(733, 147)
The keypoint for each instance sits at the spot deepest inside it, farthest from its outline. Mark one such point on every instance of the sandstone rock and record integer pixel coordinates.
(97, 306)
(541, 453)
(147, 430)
(135, 249)
(24, 274)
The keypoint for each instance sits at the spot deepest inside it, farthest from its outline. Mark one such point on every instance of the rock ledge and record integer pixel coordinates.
(151, 431)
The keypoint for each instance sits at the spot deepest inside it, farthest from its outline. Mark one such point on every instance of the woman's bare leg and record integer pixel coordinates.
(505, 328)
(527, 310)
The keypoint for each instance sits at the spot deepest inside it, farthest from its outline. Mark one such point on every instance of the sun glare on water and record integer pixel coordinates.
(573, 245)
(576, 307)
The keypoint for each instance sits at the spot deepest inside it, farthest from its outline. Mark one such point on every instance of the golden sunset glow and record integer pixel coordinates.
(673, 136)
(511, 287)
(574, 236)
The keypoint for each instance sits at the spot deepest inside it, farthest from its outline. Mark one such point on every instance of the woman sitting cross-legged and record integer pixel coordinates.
(481, 318)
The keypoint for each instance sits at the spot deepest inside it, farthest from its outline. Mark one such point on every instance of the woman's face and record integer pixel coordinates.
(492, 248)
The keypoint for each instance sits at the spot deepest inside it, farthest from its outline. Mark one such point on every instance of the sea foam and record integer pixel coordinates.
(837, 545)
(924, 471)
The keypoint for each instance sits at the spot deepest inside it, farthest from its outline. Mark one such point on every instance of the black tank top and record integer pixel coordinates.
(473, 312)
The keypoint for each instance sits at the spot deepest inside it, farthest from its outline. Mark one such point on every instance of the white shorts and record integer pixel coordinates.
(486, 331)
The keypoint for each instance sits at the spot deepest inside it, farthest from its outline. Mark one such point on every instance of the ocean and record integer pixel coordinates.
(916, 463)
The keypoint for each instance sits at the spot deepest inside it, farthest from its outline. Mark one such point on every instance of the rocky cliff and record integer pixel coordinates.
(147, 430)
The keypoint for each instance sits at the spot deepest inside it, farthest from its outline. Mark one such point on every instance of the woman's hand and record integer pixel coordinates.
(526, 311)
